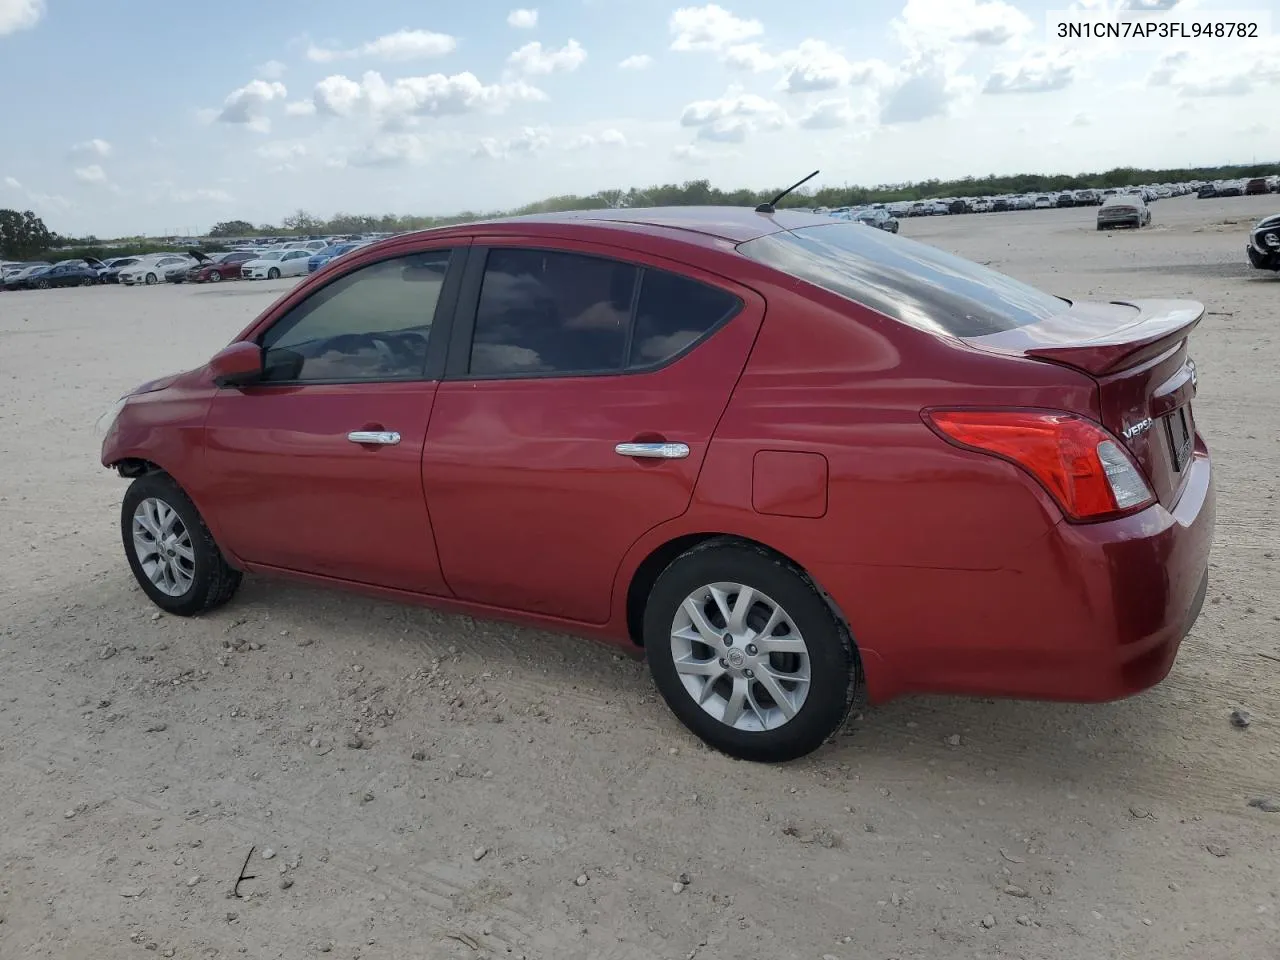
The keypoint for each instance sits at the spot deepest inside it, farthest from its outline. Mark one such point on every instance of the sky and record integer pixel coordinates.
(121, 121)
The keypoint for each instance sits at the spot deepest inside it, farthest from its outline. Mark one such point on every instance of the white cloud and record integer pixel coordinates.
(271, 70)
(1224, 72)
(815, 65)
(246, 105)
(936, 24)
(828, 115)
(1042, 71)
(749, 56)
(392, 150)
(732, 117)
(1082, 119)
(606, 138)
(91, 174)
(95, 147)
(300, 108)
(18, 15)
(1167, 67)
(688, 153)
(532, 58)
(281, 152)
(710, 28)
(406, 97)
(637, 61)
(927, 86)
(529, 141)
(522, 19)
(398, 46)
(12, 183)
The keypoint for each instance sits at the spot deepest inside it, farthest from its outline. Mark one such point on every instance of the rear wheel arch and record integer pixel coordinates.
(659, 558)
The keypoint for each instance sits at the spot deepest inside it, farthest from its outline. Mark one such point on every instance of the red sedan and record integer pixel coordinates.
(790, 459)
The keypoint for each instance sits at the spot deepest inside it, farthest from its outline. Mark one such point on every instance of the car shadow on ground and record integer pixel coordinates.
(906, 740)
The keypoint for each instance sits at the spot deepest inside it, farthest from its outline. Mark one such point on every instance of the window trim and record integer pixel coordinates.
(458, 361)
(441, 321)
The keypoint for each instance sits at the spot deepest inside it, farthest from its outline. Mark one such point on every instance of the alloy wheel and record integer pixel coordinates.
(163, 547)
(740, 656)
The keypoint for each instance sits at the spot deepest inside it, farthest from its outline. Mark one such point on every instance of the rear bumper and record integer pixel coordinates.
(1089, 613)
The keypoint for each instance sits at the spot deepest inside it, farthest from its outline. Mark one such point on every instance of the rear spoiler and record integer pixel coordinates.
(1099, 338)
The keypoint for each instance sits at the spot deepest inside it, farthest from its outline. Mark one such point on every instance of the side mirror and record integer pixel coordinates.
(237, 364)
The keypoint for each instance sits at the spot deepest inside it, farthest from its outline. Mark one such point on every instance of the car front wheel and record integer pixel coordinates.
(215, 276)
(170, 550)
(747, 652)
(273, 274)
(151, 279)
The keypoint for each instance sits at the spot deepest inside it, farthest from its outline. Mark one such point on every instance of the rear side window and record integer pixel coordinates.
(673, 313)
(912, 282)
(544, 312)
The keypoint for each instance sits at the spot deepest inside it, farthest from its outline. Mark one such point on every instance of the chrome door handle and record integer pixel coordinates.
(385, 438)
(656, 451)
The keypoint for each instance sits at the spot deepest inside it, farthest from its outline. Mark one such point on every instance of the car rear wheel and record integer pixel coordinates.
(273, 274)
(748, 653)
(42, 284)
(151, 278)
(170, 550)
(88, 282)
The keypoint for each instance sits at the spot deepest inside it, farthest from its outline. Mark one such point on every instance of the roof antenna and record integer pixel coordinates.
(769, 207)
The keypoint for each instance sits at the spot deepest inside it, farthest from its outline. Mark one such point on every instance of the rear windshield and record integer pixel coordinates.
(912, 282)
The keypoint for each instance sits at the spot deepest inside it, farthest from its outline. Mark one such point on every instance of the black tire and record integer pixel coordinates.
(214, 581)
(835, 674)
(42, 284)
(273, 274)
(215, 276)
(151, 279)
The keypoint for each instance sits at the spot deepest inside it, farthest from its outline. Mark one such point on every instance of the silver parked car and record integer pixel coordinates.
(1123, 210)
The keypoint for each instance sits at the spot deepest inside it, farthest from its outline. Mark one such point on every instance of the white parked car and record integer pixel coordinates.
(1043, 202)
(311, 246)
(150, 269)
(277, 263)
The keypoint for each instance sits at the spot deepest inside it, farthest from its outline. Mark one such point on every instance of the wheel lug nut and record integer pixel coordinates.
(724, 663)
(751, 650)
(728, 640)
(750, 674)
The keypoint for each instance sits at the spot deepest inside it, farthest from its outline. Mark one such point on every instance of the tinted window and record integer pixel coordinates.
(912, 282)
(371, 324)
(672, 313)
(548, 312)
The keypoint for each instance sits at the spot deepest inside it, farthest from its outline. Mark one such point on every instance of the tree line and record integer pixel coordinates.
(23, 236)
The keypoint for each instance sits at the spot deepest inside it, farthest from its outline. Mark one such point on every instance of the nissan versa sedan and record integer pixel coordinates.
(790, 460)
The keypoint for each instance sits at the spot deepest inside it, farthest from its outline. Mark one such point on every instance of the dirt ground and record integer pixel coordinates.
(516, 793)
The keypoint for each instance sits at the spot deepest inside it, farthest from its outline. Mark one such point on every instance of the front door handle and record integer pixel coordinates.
(384, 438)
(656, 451)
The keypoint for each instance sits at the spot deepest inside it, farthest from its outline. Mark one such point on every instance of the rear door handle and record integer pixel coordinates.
(384, 438)
(655, 451)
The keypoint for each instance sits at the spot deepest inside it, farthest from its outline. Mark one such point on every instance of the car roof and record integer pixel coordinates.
(734, 224)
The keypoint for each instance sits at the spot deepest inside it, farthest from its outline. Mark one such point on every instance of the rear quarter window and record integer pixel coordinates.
(912, 282)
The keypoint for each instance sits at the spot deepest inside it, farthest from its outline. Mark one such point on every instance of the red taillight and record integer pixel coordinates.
(1082, 466)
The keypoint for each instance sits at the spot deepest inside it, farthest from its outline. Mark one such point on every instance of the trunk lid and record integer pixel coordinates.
(1136, 352)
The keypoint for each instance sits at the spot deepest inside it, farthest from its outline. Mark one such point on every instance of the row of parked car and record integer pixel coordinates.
(1149, 193)
(289, 259)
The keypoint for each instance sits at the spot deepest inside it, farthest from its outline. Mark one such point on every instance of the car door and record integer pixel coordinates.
(317, 469)
(582, 388)
(294, 263)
